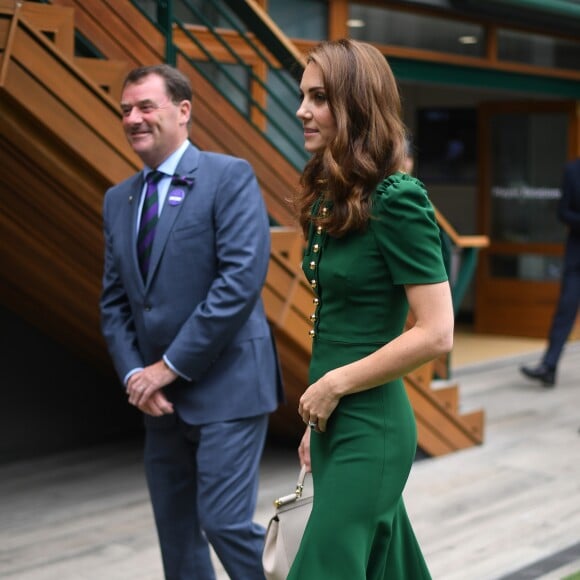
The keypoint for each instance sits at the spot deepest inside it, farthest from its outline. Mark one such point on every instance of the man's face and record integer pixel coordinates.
(155, 126)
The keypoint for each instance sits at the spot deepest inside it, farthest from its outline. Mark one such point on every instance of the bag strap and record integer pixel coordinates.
(292, 497)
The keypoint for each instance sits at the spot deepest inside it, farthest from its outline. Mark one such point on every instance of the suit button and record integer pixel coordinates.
(311, 333)
(313, 265)
(316, 301)
(319, 230)
(313, 317)
(315, 248)
(313, 283)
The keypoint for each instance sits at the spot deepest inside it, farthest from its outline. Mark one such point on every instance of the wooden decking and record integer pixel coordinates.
(484, 513)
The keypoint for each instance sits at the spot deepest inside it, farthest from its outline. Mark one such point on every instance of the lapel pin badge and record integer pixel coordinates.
(176, 197)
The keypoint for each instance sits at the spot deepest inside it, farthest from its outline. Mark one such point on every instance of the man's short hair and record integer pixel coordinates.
(177, 84)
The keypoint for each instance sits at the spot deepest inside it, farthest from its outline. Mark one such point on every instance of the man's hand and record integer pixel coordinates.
(143, 385)
(157, 405)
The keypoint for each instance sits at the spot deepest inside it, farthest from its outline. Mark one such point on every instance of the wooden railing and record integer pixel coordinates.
(468, 248)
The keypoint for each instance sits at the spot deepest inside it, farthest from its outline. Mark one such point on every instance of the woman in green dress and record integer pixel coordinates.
(373, 253)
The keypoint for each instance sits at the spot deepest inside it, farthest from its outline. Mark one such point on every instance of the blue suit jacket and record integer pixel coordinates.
(201, 303)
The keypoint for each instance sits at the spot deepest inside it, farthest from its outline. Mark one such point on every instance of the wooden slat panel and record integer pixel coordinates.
(449, 397)
(127, 17)
(72, 130)
(108, 74)
(54, 281)
(475, 423)
(449, 428)
(56, 22)
(288, 242)
(423, 375)
(50, 251)
(286, 422)
(430, 440)
(31, 76)
(118, 30)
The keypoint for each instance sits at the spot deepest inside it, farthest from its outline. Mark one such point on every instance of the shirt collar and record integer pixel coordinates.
(170, 164)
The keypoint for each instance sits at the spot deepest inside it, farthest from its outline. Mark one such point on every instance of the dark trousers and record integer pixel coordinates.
(568, 303)
(203, 483)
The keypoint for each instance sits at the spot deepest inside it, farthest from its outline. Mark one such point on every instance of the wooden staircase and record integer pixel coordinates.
(61, 137)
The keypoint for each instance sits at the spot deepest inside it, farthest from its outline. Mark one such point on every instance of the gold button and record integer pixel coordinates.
(313, 317)
(324, 210)
(319, 230)
(313, 265)
(311, 333)
(316, 301)
(315, 248)
(313, 283)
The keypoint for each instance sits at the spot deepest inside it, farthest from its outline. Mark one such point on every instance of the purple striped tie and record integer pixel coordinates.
(149, 217)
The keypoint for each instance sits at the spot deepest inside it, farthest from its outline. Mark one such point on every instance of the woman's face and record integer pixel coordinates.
(317, 120)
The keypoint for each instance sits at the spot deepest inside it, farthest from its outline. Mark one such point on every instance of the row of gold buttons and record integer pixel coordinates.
(313, 283)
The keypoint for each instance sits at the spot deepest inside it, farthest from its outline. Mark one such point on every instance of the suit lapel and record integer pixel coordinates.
(129, 220)
(178, 192)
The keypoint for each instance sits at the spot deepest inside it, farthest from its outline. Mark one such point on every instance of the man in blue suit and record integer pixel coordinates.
(569, 300)
(183, 319)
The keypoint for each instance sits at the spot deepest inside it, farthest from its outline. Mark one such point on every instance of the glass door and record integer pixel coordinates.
(523, 148)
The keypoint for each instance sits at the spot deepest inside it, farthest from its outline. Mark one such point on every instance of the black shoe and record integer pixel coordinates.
(541, 373)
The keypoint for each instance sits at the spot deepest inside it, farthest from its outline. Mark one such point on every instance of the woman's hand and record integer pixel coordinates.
(319, 401)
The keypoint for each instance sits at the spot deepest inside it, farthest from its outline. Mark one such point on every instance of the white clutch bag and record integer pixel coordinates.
(285, 531)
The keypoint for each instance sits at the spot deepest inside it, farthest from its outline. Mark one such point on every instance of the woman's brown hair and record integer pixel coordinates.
(369, 144)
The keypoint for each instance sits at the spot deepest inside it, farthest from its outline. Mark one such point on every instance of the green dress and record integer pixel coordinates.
(358, 528)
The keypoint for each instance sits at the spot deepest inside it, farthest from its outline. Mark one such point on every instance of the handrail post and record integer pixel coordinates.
(165, 20)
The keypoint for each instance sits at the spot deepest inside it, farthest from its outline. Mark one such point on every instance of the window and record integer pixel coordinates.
(528, 155)
(446, 143)
(301, 18)
(384, 26)
(538, 50)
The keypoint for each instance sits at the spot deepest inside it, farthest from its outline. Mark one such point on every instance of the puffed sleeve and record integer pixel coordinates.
(403, 221)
